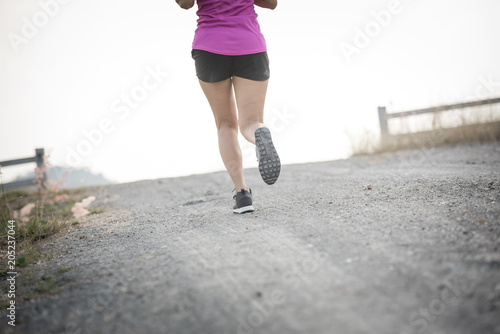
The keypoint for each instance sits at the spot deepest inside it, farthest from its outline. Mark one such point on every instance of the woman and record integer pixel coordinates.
(230, 53)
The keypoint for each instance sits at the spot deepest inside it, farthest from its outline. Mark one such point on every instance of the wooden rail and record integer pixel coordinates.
(38, 158)
(384, 116)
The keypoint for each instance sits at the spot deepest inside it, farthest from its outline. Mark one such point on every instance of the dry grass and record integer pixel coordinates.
(480, 124)
(44, 221)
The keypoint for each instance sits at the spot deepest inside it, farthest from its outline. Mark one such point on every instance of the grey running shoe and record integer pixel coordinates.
(269, 161)
(243, 201)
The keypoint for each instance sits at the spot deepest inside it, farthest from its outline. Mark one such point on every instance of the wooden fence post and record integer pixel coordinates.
(384, 127)
(39, 159)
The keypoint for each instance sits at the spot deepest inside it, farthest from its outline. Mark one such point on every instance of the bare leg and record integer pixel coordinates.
(250, 97)
(221, 100)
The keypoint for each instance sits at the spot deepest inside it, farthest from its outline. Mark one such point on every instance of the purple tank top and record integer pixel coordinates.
(228, 27)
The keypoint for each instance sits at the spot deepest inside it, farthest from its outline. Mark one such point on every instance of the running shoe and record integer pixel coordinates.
(269, 161)
(243, 201)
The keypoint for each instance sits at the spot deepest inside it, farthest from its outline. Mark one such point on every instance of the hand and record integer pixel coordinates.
(185, 4)
(271, 4)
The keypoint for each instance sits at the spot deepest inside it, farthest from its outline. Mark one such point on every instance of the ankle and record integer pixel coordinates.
(239, 189)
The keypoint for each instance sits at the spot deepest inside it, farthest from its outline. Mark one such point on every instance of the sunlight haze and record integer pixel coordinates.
(73, 74)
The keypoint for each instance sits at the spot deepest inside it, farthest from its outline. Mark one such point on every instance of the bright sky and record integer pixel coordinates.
(69, 72)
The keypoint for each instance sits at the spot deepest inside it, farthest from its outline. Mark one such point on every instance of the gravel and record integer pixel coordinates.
(402, 243)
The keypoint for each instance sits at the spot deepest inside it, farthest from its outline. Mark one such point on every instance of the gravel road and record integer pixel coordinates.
(402, 243)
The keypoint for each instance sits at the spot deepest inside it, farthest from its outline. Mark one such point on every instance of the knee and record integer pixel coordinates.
(227, 124)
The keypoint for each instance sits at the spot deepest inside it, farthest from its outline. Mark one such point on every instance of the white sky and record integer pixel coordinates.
(65, 78)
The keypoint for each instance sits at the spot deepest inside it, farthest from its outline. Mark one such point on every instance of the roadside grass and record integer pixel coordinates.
(44, 221)
(50, 216)
(63, 270)
(424, 131)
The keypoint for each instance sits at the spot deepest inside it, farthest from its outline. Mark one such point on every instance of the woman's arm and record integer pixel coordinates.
(185, 4)
(271, 4)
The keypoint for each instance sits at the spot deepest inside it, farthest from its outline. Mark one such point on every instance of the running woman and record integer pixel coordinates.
(229, 51)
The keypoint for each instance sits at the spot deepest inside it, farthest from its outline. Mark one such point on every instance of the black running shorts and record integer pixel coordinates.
(213, 67)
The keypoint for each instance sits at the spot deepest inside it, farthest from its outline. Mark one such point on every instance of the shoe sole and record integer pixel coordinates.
(269, 161)
(244, 209)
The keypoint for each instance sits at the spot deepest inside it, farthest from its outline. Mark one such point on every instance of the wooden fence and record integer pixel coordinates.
(384, 116)
(38, 158)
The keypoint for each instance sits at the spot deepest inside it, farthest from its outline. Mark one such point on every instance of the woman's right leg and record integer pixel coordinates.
(221, 100)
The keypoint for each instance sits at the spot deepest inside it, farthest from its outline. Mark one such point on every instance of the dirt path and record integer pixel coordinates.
(395, 243)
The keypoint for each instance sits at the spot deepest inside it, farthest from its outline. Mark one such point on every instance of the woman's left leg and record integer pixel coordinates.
(221, 100)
